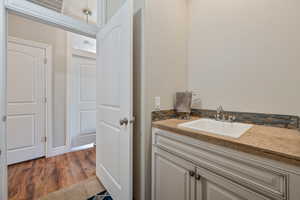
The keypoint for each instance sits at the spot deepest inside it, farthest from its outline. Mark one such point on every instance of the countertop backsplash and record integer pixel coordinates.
(275, 120)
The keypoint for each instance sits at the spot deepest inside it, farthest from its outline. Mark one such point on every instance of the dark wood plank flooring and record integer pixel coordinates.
(33, 179)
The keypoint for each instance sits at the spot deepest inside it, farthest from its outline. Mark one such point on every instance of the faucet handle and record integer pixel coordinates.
(220, 109)
(231, 118)
(224, 117)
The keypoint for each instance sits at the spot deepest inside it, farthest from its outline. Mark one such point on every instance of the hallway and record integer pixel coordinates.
(36, 178)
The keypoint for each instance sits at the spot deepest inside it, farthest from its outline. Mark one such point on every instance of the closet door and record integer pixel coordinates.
(25, 100)
(172, 178)
(210, 186)
(83, 98)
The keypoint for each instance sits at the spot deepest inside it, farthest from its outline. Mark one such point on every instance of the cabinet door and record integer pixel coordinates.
(210, 186)
(172, 177)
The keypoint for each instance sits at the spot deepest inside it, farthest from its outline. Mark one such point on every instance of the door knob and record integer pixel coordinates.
(124, 121)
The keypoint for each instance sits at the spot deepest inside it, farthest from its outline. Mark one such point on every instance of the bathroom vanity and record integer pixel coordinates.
(190, 164)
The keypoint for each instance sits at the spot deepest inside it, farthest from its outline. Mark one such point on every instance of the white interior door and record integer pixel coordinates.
(25, 102)
(83, 100)
(114, 102)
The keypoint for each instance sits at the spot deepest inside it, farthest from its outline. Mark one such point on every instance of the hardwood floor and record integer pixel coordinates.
(33, 179)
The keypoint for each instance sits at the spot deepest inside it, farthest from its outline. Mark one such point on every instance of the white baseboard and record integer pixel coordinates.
(65, 149)
(58, 151)
(83, 147)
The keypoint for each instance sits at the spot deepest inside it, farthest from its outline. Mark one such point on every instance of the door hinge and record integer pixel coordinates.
(4, 118)
(132, 121)
(45, 99)
(45, 61)
(44, 139)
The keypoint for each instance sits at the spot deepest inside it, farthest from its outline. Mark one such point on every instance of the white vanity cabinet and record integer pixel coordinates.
(184, 168)
(173, 176)
(210, 186)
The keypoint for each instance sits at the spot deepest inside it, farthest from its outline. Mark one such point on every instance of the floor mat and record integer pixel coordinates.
(101, 196)
(80, 191)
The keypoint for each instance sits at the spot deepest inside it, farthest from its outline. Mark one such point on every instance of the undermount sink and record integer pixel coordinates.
(231, 129)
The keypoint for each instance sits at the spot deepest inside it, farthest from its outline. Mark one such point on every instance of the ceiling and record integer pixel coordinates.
(55, 5)
(73, 8)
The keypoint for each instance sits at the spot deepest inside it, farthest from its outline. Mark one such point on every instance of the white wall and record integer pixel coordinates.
(245, 54)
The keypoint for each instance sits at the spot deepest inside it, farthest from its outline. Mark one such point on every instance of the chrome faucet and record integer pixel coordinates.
(221, 116)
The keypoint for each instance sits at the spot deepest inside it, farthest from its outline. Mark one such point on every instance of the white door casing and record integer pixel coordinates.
(3, 167)
(26, 105)
(83, 98)
(51, 17)
(35, 12)
(114, 102)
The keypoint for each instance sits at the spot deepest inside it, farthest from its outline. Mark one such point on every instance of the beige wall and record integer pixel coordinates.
(137, 108)
(242, 54)
(165, 69)
(166, 50)
(112, 6)
(31, 30)
(245, 55)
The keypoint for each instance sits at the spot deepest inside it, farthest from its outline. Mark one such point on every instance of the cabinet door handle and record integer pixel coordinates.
(192, 173)
(198, 177)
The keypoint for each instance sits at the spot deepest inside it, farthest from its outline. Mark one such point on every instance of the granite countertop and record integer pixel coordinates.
(274, 143)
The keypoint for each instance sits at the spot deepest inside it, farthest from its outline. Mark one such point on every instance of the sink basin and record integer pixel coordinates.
(231, 129)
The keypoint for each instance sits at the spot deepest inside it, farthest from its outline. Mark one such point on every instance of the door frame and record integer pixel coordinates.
(3, 47)
(38, 13)
(48, 88)
(32, 10)
(70, 52)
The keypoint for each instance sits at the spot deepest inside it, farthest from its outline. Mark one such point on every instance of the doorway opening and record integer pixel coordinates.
(114, 97)
(51, 109)
(81, 92)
